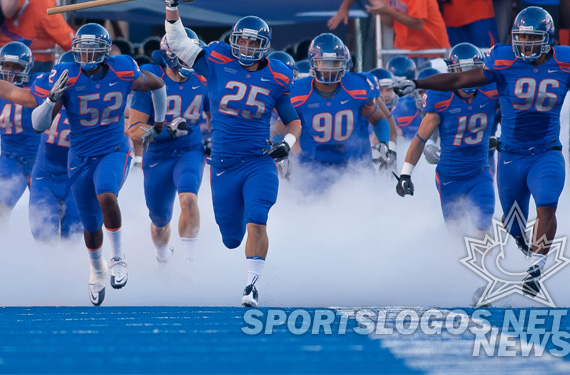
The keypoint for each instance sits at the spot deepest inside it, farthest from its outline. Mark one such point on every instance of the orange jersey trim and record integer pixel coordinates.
(406, 120)
(503, 64)
(443, 105)
(124, 76)
(218, 58)
(278, 76)
(564, 66)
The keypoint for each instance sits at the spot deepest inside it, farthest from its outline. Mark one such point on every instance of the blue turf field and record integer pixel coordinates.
(210, 340)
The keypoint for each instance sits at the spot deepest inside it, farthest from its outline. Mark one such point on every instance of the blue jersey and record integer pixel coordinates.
(95, 107)
(18, 137)
(464, 129)
(241, 102)
(185, 99)
(407, 116)
(334, 130)
(54, 144)
(531, 96)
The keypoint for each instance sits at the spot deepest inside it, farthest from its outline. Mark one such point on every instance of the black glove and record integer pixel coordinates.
(208, 147)
(58, 87)
(493, 143)
(404, 87)
(405, 185)
(178, 128)
(171, 3)
(278, 151)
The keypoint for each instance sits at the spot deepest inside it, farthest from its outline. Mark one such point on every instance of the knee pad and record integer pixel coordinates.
(231, 243)
(257, 215)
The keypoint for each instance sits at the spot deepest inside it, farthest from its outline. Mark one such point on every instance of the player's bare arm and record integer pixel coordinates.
(428, 126)
(138, 124)
(443, 82)
(17, 94)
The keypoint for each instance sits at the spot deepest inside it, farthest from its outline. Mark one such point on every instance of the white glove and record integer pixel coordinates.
(58, 87)
(284, 169)
(404, 87)
(432, 152)
(177, 128)
(148, 136)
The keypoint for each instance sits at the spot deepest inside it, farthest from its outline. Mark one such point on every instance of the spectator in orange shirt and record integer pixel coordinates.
(32, 26)
(471, 21)
(418, 24)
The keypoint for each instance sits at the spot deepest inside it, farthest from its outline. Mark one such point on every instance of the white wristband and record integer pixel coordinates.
(290, 139)
(172, 9)
(407, 169)
(137, 159)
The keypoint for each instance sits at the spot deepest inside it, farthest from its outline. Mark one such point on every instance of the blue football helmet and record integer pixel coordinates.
(91, 46)
(402, 67)
(349, 64)
(66, 57)
(250, 28)
(532, 21)
(171, 60)
(286, 59)
(16, 53)
(304, 68)
(423, 73)
(385, 80)
(328, 58)
(462, 57)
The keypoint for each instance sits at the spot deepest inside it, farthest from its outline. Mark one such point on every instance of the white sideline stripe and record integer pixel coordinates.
(451, 354)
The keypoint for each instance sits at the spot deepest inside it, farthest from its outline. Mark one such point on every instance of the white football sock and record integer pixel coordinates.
(254, 268)
(539, 259)
(115, 238)
(163, 253)
(190, 246)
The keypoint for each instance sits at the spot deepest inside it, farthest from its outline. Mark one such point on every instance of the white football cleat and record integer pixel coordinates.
(97, 280)
(250, 296)
(119, 275)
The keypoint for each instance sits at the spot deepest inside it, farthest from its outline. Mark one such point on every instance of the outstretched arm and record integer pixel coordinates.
(454, 81)
(17, 94)
(442, 82)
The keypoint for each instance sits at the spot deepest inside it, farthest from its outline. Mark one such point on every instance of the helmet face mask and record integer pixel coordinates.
(328, 59)
(386, 79)
(16, 63)
(464, 57)
(532, 34)
(91, 46)
(250, 40)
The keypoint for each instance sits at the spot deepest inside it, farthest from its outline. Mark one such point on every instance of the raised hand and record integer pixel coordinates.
(58, 87)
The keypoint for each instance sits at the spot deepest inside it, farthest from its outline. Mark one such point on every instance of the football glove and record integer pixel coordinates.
(149, 135)
(405, 185)
(404, 87)
(278, 151)
(58, 87)
(432, 152)
(178, 128)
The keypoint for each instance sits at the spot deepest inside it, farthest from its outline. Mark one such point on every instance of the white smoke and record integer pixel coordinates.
(358, 244)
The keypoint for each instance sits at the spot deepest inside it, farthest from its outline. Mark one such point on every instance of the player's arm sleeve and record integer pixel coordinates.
(142, 102)
(184, 48)
(285, 108)
(42, 116)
